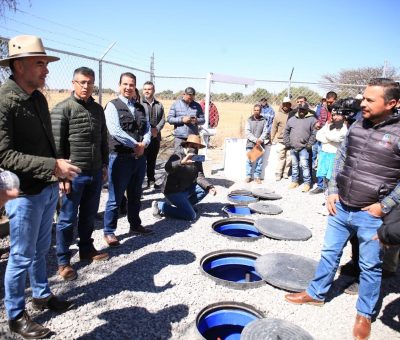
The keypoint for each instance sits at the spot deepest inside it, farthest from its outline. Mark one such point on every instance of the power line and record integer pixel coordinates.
(54, 33)
(79, 31)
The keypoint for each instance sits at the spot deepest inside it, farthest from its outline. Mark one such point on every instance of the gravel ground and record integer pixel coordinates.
(152, 288)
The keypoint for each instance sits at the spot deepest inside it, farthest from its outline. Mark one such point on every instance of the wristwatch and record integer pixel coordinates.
(385, 209)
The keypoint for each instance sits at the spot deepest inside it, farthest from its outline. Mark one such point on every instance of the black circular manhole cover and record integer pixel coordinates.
(286, 271)
(237, 228)
(225, 320)
(232, 268)
(265, 208)
(282, 230)
(241, 199)
(265, 194)
(273, 329)
(233, 210)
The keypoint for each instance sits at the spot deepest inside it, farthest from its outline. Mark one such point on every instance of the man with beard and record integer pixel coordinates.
(364, 188)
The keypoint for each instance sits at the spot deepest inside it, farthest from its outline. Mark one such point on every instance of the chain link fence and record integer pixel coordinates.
(234, 102)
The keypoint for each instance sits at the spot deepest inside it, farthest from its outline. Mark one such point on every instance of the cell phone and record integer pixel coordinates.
(198, 158)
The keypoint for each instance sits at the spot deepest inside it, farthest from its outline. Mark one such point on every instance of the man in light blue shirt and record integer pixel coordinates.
(129, 135)
(268, 113)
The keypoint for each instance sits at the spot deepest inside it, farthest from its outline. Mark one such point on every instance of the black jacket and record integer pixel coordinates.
(80, 133)
(26, 138)
(181, 176)
(155, 115)
(389, 232)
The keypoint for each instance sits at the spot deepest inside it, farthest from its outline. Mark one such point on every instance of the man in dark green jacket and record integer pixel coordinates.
(80, 134)
(27, 149)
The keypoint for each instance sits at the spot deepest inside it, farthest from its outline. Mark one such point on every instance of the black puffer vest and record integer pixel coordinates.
(372, 166)
(133, 126)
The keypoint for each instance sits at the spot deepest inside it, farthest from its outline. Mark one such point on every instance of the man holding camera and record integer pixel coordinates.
(185, 184)
(364, 188)
(185, 115)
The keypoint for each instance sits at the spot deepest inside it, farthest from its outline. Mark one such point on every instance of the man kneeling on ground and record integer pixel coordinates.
(185, 184)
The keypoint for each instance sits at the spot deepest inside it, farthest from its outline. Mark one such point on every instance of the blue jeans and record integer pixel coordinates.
(316, 148)
(31, 218)
(180, 204)
(258, 166)
(125, 172)
(300, 158)
(341, 227)
(85, 197)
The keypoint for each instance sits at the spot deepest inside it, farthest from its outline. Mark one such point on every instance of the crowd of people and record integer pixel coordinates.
(70, 152)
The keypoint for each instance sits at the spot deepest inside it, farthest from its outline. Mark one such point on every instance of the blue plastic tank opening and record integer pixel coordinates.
(238, 210)
(233, 268)
(238, 229)
(224, 323)
(243, 198)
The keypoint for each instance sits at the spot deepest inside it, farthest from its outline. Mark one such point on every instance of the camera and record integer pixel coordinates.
(198, 158)
(347, 107)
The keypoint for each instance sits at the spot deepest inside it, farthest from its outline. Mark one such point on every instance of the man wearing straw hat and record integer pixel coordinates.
(185, 184)
(27, 148)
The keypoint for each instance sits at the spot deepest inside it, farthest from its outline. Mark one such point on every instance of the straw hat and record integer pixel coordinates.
(194, 139)
(23, 46)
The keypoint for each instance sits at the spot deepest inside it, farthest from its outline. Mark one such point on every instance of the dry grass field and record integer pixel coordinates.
(231, 123)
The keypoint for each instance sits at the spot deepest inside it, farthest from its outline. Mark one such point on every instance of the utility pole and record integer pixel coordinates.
(152, 76)
(384, 69)
(101, 71)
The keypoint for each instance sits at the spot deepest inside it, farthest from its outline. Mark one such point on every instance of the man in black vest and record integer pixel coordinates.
(364, 188)
(129, 135)
(155, 113)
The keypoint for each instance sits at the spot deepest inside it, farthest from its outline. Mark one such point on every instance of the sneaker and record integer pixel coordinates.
(278, 177)
(306, 188)
(52, 303)
(155, 210)
(317, 190)
(258, 181)
(141, 230)
(67, 273)
(285, 176)
(93, 255)
(352, 288)
(293, 185)
(248, 179)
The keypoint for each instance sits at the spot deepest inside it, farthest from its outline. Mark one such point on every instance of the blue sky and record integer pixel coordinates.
(253, 38)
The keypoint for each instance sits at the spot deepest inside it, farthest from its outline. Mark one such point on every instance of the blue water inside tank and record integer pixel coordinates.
(224, 323)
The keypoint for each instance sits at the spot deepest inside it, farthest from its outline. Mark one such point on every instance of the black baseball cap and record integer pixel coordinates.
(190, 90)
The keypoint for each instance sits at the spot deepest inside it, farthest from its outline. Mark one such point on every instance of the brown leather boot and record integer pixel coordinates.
(362, 328)
(67, 272)
(302, 298)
